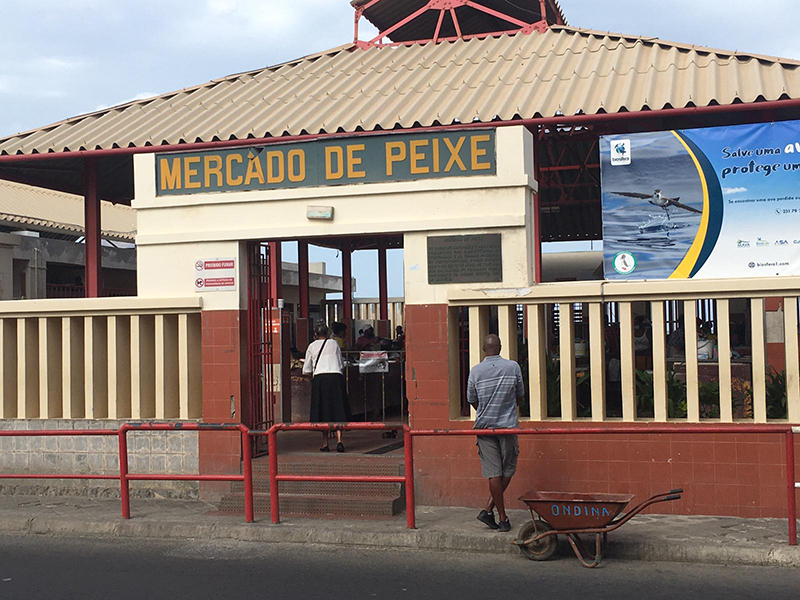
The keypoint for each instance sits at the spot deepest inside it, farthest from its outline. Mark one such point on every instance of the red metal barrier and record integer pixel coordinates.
(124, 476)
(274, 478)
(786, 430)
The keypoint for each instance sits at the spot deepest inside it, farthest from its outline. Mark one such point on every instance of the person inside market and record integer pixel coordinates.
(340, 335)
(368, 341)
(329, 400)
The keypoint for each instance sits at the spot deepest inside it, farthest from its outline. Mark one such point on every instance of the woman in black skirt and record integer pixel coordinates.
(329, 401)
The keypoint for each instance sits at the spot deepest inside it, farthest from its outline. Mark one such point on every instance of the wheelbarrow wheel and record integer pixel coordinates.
(542, 549)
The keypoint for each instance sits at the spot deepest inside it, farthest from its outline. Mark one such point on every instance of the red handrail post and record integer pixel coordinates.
(247, 457)
(124, 489)
(272, 443)
(791, 490)
(408, 450)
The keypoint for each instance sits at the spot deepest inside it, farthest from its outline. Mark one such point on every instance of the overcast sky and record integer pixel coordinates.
(61, 58)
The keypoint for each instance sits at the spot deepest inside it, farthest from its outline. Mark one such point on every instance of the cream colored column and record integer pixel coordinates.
(724, 349)
(759, 338)
(8, 368)
(566, 347)
(660, 400)
(119, 367)
(189, 366)
(597, 358)
(627, 357)
(72, 367)
(167, 370)
(790, 325)
(537, 357)
(478, 330)
(50, 406)
(692, 368)
(507, 329)
(95, 338)
(143, 367)
(27, 369)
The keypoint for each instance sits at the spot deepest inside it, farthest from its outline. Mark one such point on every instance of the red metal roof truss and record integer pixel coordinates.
(448, 7)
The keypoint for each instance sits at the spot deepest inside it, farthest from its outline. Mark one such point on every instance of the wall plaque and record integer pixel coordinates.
(465, 259)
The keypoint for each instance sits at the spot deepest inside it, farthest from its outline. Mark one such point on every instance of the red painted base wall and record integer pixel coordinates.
(224, 377)
(736, 475)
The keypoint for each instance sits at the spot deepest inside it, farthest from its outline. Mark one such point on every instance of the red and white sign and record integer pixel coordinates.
(215, 275)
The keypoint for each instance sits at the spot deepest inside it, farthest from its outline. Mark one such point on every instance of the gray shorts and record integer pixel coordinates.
(498, 454)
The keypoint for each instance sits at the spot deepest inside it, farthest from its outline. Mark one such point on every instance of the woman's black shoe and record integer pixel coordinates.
(340, 447)
(324, 449)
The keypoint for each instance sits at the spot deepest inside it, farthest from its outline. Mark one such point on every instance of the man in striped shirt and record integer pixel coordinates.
(495, 388)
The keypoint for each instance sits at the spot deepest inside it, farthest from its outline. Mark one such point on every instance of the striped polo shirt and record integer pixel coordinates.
(494, 386)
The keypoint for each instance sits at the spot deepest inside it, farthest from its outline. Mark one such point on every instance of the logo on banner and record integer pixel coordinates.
(624, 263)
(620, 153)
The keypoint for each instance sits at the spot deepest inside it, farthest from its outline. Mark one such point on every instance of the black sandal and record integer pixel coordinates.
(325, 449)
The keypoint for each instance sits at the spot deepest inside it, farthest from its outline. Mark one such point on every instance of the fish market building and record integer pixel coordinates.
(470, 135)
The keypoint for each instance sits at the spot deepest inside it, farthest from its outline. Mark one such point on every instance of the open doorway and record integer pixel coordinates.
(352, 281)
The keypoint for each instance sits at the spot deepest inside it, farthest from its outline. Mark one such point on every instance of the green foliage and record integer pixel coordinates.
(553, 373)
(645, 401)
(776, 395)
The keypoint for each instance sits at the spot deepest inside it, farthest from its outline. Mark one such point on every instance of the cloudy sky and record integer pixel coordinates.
(62, 58)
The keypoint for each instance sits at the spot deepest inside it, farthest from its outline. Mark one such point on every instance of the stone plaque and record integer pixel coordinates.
(465, 259)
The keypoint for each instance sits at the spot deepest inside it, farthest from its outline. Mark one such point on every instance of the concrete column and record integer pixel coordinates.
(7, 244)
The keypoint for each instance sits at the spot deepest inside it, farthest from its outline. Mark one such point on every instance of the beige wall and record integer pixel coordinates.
(168, 272)
(175, 231)
(516, 266)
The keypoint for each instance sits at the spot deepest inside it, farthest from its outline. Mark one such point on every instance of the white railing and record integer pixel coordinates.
(115, 358)
(368, 309)
(595, 308)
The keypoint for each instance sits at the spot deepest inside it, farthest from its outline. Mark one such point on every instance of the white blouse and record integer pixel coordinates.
(330, 361)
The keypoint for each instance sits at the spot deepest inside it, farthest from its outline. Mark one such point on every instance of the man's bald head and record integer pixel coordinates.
(491, 345)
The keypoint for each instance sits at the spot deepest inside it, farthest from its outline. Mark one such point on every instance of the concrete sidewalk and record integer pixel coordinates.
(716, 540)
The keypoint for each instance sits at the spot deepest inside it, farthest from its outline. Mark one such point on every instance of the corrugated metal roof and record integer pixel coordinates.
(562, 71)
(34, 207)
(471, 21)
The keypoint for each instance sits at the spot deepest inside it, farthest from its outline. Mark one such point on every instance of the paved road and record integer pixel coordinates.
(34, 568)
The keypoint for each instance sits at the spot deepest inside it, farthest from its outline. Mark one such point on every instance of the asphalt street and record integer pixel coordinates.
(60, 568)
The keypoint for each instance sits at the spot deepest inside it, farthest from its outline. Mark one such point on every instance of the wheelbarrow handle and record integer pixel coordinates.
(678, 491)
(672, 497)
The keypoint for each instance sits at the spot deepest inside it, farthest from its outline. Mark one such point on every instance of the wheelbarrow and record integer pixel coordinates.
(573, 514)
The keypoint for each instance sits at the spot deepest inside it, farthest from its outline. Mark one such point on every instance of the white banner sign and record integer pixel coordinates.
(373, 362)
(215, 275)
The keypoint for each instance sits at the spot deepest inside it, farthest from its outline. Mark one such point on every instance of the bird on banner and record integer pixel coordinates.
(660, 200)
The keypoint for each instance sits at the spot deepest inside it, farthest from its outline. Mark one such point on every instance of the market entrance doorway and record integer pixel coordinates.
(294, 285)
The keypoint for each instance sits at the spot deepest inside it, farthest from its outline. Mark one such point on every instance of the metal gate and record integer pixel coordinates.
(260, 414)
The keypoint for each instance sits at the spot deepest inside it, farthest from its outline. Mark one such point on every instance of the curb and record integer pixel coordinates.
(626, 548)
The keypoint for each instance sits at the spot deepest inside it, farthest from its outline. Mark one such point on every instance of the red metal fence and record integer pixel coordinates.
(786, 430)
(125, 477)
(409, 434)
(274, 478)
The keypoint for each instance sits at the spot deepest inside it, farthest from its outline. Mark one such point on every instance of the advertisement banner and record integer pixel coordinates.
(702, 203)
